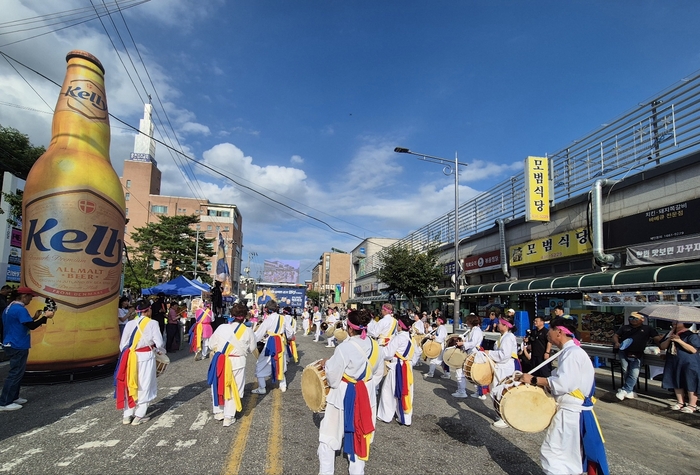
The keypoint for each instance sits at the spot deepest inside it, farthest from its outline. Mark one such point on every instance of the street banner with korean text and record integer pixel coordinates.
(687, 248)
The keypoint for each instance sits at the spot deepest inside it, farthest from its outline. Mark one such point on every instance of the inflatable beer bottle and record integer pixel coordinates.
(73, 228)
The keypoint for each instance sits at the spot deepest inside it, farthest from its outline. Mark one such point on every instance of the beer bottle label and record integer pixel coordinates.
(84, 97)
(73, 245)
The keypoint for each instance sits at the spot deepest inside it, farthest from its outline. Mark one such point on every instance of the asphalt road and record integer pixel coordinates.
(75, 429)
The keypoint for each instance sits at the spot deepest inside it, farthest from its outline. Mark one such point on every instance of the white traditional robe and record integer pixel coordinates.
(561, 450)
(440, 337)
(350, 360)
(388, 404)
(502, 355)
(472, 341)
(263, 367)
(147, 384)
(384, 329)
(241, 348)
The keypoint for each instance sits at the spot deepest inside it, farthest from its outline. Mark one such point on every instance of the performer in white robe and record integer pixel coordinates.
(400, 352)
(385, 328)
(357, 358)
(273, 326)
(471, 341)
(239, 347)
(440, 336)
(572, 384)
(150, 342)
(505, 356)
(305, 321)
(418, 326)
(331, 319)
(318, 318)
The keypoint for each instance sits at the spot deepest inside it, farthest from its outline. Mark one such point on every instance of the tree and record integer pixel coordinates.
(172, 241)
(410, 272)
(17, 155)
(312, 296)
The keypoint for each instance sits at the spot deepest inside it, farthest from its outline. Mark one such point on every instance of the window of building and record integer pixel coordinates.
(126, 211)
(128, 183)
(159, 209)
(209, 227)
(163, 263)
(222, 214)
(226, 229)
(127, 196)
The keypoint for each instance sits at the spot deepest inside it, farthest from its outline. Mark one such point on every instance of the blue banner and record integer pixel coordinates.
(284, 296)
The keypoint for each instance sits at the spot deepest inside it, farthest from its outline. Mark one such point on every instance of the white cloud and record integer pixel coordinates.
(296, 159)
(194, 128)
(478, 170)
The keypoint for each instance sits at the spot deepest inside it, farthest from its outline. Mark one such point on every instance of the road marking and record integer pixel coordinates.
(238, 447)
(162, 443)
(274, 439)
(6, 448)
(79, 429)
(201, 421)
(98, 443)
(9, 466)
(184, 444)
(29, 434)
(167, 420)
(64, 462)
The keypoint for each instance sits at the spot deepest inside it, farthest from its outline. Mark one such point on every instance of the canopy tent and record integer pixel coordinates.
(178, 286)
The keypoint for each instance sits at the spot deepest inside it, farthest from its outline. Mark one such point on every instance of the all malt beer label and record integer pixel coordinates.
(72, 247)
(84, 97)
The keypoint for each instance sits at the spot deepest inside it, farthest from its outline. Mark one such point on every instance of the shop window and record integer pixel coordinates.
(543, 271)
(582, 265)
(526, 273)
(561, 268)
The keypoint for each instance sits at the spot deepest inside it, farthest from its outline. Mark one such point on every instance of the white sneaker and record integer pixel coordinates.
(140, 420)
(20, 400)
(428, 375)
(126, 420)
(621, 394)
(446, 376)
(631, 395)
(228, 421)
(283, 388)
(10, 407)
(259, 391)
(198, 356)
(218, 416)
(460, 394)
(500, 424)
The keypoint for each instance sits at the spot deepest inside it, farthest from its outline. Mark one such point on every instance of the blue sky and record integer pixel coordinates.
(305, 100)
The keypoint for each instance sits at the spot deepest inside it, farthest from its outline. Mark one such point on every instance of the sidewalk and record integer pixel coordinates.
(655, 400)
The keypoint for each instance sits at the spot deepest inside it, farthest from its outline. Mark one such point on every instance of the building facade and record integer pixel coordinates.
(141, 181)
(331, 278)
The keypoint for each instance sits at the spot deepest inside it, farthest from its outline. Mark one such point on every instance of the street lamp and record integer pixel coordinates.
(196, 252)
(449, 168)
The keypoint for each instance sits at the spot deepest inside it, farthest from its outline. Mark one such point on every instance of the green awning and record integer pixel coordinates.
(686, 272)
(599, 279)
(566, 282)
(538, 284)
(639, 275)
(502, 287)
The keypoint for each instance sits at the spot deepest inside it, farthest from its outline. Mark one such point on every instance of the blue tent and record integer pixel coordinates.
(179, 286)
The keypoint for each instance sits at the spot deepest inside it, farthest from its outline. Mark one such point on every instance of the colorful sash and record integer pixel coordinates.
(384, 340)
(274, 348)
(196, 332)
(220, 375)
(404, 381)
(595, 462)
(126, 373)
(358, 424)
(292, 350)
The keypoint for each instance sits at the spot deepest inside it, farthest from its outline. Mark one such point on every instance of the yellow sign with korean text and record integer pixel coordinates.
(571, 243)
(536, 189)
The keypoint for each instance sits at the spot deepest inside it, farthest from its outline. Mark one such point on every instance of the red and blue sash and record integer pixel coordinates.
(220, 375)
(196, 332)
(274, 348)
(126, 373)
(595, 461)
(358, 421)
(404, 381)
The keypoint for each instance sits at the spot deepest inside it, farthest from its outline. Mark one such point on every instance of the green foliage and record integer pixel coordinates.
(17, 154)
(172, 240)
(410, 272)
(15, 202)
(312, 296)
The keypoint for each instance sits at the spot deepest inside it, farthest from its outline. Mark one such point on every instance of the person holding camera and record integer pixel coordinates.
(17, 323)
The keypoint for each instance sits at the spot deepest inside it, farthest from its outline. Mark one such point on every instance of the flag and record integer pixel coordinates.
(222, 271)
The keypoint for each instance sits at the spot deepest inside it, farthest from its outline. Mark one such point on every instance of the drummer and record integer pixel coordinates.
(401, 354)
(272, 361)
(234, 341)
(383, 331)
(470, 343)
(331, 320)
(572, 384)
(439, 336)
(418, 327)
(505, 357)
(350, 373)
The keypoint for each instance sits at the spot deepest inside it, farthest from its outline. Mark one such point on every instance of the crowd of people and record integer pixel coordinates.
(370, 373)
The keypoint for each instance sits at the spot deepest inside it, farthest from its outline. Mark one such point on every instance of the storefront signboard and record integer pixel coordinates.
(642, 298)
(571, 243)
(683, 249)
(536, 189)
(482, 262)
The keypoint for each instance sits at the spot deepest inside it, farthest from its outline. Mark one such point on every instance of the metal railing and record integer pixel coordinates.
(660, 129)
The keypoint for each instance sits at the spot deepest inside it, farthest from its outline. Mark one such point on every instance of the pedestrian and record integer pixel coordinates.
(232, 342)
(159, 310)
(123, 313)
(172, 328)
(17, 323)
(539, 348)
(682, 366)
(4, 294)
(350, 373)
(272, 361)
(574, 436)
(631, 340)
(505, 357)
(135, 375)
(396, 397)
(217, 304)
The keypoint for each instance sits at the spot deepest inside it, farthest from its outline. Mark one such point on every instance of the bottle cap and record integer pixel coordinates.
(76, 53)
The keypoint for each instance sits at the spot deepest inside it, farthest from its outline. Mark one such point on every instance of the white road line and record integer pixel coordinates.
(162, 443)
(12, 464)
(184, 444)
(167, 420)
(98, 443)
(79, 429)
(64, 462)
(201, 421)
(5, 449)
(29, 434)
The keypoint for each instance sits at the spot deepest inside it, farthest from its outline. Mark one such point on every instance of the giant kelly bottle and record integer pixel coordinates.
(73, 228)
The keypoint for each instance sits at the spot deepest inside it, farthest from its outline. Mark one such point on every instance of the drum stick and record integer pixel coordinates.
(545, 362)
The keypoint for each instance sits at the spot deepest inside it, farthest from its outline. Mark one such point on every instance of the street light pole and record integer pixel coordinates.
(448, 169)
